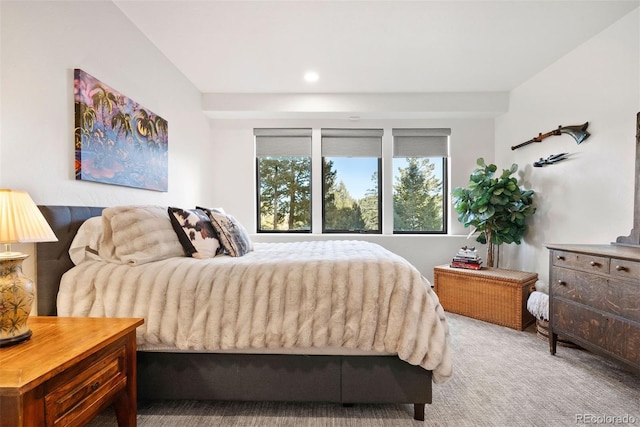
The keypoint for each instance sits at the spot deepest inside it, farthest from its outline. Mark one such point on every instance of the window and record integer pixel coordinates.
(419, 180)
(283, 158)
(351, 165)
(351, 180)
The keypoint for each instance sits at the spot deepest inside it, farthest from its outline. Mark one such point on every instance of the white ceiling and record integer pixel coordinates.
(389, 46)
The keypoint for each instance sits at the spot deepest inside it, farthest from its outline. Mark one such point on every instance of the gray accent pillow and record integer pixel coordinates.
(232, 235)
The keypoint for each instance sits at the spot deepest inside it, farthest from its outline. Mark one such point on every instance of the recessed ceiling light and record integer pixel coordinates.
(311, 76)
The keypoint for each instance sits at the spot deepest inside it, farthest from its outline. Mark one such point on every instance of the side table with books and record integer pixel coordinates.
(491, 294)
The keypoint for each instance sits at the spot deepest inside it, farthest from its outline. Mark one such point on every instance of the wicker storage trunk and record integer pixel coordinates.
(490, 294)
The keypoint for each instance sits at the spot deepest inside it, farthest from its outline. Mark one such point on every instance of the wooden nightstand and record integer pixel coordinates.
(69, 371)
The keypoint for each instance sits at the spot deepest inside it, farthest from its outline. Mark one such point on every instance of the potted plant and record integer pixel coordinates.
(495, 206)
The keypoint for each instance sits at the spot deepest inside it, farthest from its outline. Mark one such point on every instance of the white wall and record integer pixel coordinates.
(235, 187)
(587, 198)
(40, 45)
(42, 42)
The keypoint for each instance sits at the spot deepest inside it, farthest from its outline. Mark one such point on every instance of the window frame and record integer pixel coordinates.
(445, 203)
(420, 143)
(345, 231)
(258, 206)
(282, 133)
(351, 142)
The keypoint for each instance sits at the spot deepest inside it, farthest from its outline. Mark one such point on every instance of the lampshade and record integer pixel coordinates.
(20, 219)
(20, 222)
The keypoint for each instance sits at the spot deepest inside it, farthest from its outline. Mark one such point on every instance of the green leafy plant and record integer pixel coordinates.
(495, 206)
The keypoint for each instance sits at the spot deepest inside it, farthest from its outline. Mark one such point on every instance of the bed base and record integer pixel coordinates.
(288, 378)
(243, 377)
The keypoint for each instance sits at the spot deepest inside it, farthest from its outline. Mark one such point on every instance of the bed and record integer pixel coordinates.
(178, 361)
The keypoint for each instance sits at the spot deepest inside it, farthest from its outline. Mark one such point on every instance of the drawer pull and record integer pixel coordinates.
(594, 264)
(562, 283)
(621, 268)
(95, 386)
(559, 257)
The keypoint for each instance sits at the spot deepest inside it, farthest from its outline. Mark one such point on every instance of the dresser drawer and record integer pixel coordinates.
(625, 269)
(623, 299)
(616, 336)
(623, 340)
(576, 321)
(584, 288)
(619, 297)
(582, 262)
(78, 390)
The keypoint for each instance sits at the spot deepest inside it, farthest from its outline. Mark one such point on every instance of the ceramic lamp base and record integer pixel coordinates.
(16, 297)
(6, 342)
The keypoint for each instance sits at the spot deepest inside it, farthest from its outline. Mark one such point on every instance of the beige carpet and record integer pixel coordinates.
(502, 378)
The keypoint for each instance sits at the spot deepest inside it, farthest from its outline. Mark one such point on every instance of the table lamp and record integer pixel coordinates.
(20, 222)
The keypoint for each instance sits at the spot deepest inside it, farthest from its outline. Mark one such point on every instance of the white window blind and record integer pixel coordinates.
(283, 142)
(421, 142)
(352, 142)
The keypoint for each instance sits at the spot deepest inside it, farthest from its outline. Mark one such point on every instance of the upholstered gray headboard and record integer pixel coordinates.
(52, 259)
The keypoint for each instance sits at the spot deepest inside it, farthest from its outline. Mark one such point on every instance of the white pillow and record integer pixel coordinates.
(86, 243)
(137, 235)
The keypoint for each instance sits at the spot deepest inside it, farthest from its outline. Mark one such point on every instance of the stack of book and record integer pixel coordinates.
(467, 258)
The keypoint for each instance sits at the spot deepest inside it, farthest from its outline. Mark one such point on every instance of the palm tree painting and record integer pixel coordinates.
(117, 141)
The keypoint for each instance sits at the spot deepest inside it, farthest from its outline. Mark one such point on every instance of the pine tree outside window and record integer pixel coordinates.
(352, 164)
(420, 184)
(283, 164)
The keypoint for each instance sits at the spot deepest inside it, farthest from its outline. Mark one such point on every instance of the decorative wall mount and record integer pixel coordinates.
(578, 132)
(552, 159)
(117, 141)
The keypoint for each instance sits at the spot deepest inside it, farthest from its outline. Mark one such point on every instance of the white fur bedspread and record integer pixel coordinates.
(349, 294)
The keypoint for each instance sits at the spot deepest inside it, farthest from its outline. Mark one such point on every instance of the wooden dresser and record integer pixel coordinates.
(69, 371)
(595, 299)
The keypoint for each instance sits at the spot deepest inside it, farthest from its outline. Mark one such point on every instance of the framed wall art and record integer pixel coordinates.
(117, 141)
